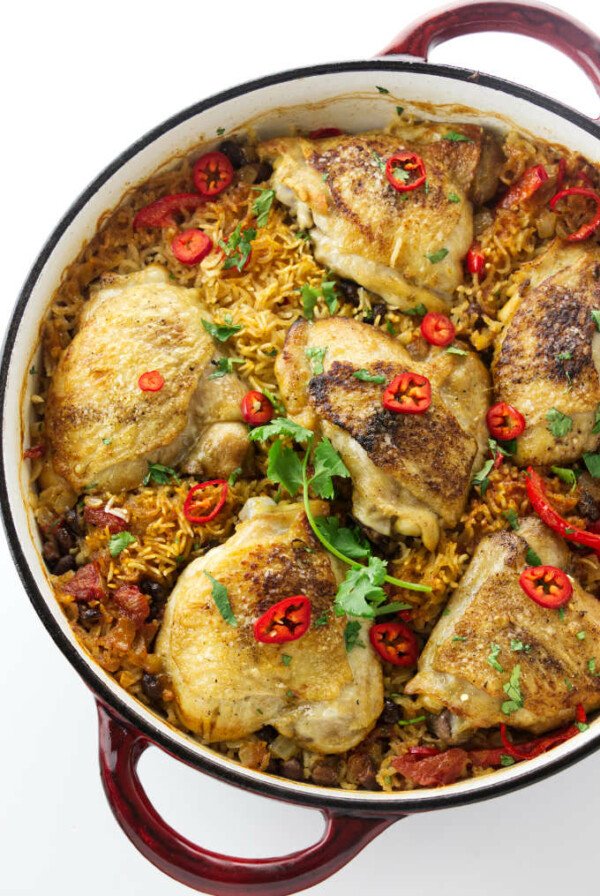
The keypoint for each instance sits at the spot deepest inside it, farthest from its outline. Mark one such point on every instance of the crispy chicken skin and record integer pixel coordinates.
(226, 683)
(102, 428)
(411, 473)
(489, 607)
(548, 355)
(364, 229)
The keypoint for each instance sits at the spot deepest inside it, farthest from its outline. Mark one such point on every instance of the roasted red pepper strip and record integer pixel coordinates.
(504, 422)
(321, 133)
(132, 604)
(160, 213)
(408, 393)
(589, 228)
(95, 516)
(529, 182)
(474, 260)
(537, 495)
(437, 328)
(192, 505)
(151, 381)
(87, 583)
(401, 166)
(212, 173)
(35, 451)
(191, 246)
(287, 620)
(256, 408)
(548, 586)
(395, 643)
(539, 745)
(560, 177)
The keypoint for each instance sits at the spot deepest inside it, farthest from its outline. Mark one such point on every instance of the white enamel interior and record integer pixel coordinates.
(350, 101)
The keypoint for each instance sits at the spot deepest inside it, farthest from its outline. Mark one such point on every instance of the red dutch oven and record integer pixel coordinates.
(342, 95)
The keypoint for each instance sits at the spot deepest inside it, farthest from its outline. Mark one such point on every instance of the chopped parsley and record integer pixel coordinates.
(452, 197)
(458, 638)
(566, 475)
(581, 726)
(223, 366)
(564, 356)
(379, 160)
(591, 664)
(403, 722)
(367, 377)
(596, 428)
(325, 176)
(512, 518)
(580, 636)
(416, 310)
(323, 619)
(512, 689)
(289, 693)
(222, 332)
(311, 294)
(382, 89)
(399, 110)
(160, 474)
(349, 541)
(595, 312)
(455, 137)
(119, 542)
(315, 356)
(561, 613)
(262, 205)
(221, 599)
(107, 441)
(234, 476)
(455, 350)
(481, 478)
(220, 132)
(517, 646)
(286, 659)
(505, 760)
(32, 371)
(436, 257)
(238, 247)
(390, 328)
(493, 657)
(559, 424)
(569, 685)
(351, 633)
(592, 462)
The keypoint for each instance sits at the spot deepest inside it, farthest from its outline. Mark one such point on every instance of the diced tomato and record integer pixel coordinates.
(87, 583)
(95, 516)
(132, 604)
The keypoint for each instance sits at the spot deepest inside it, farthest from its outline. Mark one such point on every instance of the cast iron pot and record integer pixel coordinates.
(342, 95)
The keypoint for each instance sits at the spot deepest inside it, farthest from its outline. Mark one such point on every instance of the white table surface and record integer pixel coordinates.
(79, 83)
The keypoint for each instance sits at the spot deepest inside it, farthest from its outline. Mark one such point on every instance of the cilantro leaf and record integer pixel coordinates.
(309, 299)
(223, 366)
(220, 132)
(348, 541)
(285, 467)
(277, 404)
(592, 462)
(517, 645)
(506, 761)
(452, 197)
(221, 599)
(281, 426)
(399, 110)
(436, 257)
(493, 657)
(222, 332)
(531, 558)
(234, 476)
(566, 475)
(455, 137)
(379, 160)
(512, 689)
(414, 721)
(286, 659)
(390, 327)
(595, 312)
(351, 633)
(361, 590)
(596, 428)
(160, 474)
(328, 463)
(367, 377)
(591, 664)
(119, 542)
(328, 291)
(323, 619)
(238, 247)
(512, 517)
(455, 350)
(481, 477)
(560, 424)
(316, 356)
(417, 310)
(382, 89)
(262, 205)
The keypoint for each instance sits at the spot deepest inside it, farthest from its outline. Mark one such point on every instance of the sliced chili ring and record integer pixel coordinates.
(408, 393)
(437, 328)
(586, 229)
(400, 167)
(160, 213)
(212, 173)
(474, 260)
(191, 246)
(321, 133)
(504, 422)
(256, 408)
(287, 620)
(395, 643)
(548, 586)
(151, 381)
(194, 508)
(524, 188)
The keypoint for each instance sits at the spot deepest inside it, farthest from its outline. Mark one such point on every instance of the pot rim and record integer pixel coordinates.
(259, 782)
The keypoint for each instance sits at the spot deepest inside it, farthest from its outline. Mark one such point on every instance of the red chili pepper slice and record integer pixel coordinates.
(408, 393)
(321, 133)
(475, 260)
(287, 620)
(256, 408)
(401, 166)
(191, 246)
(589, 228)
(395, 643)
(586, 179)
(193, 505)
(537, 495)
(548, 586)
(539, 745)
(562, 170)
(160, 213)
(424, 751)
(212, 173)
(504, 422)
(35, 451)
(529, 182)
(437, 328)
(151, 381)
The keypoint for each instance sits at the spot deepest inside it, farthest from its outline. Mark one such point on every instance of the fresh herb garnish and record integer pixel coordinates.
(531, 558)
(382, 89)
(455, 137)
(223, 366)
(220, 132)
(564, 356)
(561, 613)
(286, 659)
(303, 235)
(348, 541)
(160, 474)
(512, 689)
(238, 247)
(328, 291)
(325, 176)
(222, 332)
(592, 462)
(426, 186)
(455, 350)
(92, 485)
(580, 636)
(289, 693)
(416, 310)
(512, 518)
(403, 722)
(493, 657)
(327, 463)
(119, 542)
(569, 685)
(351, 633)
(566, 475)
(452, 197)
(481, 478)
(581, 726)
(311, 294)
(262, 205)
(399, 110)
(517, 646)
(315, 356)
(436, 257)
(591, 664)
(107, 441)
(221, 599)
(234, 476)
(379, 160)
(390, 327)
(596, 428)
(367, 377)
(505, 760)
(282, 426)
(285, 467)
(323, 619)
(458, 638)
(560, 424)
(595, 312)
(32, 371)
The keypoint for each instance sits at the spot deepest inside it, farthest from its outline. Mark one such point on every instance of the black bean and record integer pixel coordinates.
(391, 712)
(89, 615)
(349, 290)
(292, 768)
(50, 553)
(153, 589)
(587, 506)
(64, 564)
(234, 152)
(267, 732)
(379, 310)
(152, 687)
(71, 521)
(64, 538)
(324, 774)
(264, 172)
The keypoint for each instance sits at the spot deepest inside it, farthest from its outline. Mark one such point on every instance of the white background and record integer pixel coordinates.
(79, 83)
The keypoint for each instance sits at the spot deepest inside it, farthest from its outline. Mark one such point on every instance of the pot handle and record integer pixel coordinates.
(121, 746)
(529, 18)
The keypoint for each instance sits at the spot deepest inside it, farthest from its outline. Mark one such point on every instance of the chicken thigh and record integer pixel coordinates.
(411, 473)
(548, 357)
(490, 616)
(405, 246)
(102, 428)
(226, 683)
